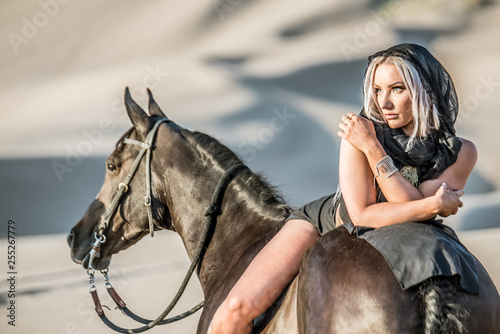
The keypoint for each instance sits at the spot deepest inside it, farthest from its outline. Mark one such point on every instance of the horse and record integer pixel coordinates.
(344, 285)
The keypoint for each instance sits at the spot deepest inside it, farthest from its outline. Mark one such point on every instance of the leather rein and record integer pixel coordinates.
(210, 212)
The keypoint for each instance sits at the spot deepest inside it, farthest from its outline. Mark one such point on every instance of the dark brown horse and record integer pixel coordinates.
(344, 284)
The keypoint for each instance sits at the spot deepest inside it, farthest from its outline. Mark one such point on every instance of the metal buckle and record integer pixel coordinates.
(95, 249)
(147, 200)
(123, 184)
(101, 240)
(104, 272)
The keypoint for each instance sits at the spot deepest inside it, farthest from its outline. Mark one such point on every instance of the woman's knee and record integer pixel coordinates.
(237, 308)
(301, 231)
(233, 316)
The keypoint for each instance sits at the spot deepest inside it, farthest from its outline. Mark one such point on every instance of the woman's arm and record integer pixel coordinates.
(360, 132)
(457, 174)
(356, 179)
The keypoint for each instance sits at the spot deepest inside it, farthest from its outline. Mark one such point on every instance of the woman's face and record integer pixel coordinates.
(393, 98)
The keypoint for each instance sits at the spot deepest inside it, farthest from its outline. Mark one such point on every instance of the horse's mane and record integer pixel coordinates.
(262, 194)
(255, 184)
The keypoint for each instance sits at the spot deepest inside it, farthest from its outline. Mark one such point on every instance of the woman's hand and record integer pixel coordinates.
(448, 201)
(358, 131)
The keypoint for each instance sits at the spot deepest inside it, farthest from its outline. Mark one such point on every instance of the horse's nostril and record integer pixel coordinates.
(70, 238)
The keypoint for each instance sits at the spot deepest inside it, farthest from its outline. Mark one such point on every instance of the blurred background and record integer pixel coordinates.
(270, 79)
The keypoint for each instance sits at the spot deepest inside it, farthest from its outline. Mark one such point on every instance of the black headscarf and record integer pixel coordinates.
(439, 150)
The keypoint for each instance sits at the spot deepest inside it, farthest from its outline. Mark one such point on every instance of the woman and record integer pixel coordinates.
(399, 162)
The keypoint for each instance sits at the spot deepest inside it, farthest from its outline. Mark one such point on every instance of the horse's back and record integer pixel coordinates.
(345, 286)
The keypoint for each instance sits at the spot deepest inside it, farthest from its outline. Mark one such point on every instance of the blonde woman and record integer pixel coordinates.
(400, 162)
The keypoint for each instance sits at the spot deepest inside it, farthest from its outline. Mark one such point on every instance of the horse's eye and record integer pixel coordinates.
(111, 168)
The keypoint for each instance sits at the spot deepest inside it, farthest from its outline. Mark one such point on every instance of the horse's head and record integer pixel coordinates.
(120, 210)
(184, 169)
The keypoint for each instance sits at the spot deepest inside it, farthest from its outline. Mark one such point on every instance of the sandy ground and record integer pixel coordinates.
(52, 292)
(52, 295)
(228, 68)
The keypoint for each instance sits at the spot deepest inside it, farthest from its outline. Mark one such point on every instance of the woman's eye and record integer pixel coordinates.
(398, 89)
(111, 168)
(376, 91)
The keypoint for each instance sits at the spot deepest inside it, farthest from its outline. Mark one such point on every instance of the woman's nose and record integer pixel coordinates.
(385, 102)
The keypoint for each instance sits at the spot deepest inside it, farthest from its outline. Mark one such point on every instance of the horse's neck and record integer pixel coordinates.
(242, 229)
(240, 234)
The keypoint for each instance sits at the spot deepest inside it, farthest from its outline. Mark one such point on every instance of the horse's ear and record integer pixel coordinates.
(137, 116)
(154, 108)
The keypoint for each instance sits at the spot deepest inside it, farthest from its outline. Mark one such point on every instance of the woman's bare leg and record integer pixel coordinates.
(265, 278)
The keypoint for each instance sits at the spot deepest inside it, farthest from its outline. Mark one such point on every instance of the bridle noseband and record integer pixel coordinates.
(211, 212)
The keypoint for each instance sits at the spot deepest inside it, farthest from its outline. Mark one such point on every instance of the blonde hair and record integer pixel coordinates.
(424, 112)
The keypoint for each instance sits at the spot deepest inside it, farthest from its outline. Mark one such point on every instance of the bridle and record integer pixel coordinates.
(211, 212)
(146, 148)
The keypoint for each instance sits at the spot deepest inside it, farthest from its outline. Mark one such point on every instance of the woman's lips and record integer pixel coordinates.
(390, 116)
